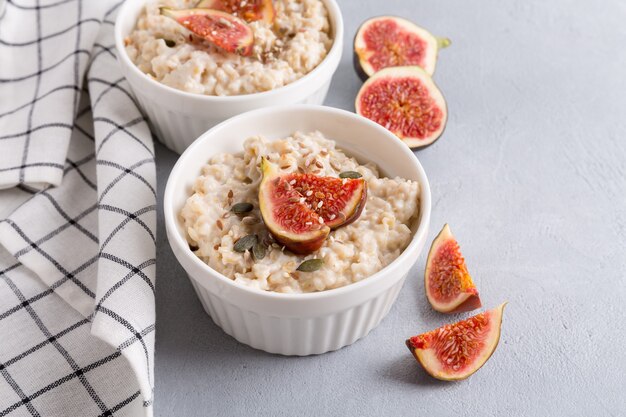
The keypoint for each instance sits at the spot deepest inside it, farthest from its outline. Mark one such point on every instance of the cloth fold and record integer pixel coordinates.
(78, 214)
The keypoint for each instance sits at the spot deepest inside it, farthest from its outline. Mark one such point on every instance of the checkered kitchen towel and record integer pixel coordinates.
(77, 217)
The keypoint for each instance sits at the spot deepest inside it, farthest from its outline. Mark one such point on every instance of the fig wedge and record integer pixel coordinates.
(224, 30)
(455, 351)
(286, 215)
(301, 209)
(448, 285)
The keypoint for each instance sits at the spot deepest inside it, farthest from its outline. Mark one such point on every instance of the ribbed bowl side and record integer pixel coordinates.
(177, 131)
(298, 336)
(318, 97)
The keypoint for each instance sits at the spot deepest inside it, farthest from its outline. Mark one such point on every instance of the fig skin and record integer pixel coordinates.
(430, 364)
(356, 64)
(301, 247)
(433, 44)
(242, 46)
(357, 210)
(411, 72)
(468, 299)
(301, 244)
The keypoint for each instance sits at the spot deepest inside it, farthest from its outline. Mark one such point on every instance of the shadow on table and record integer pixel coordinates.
(406, 370)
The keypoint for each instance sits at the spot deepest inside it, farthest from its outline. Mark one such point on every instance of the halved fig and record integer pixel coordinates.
(286, 215)
(389, 41)
(301, 209)
(456, 351)
(448, 284)
(406, 101)
(248, 10)
(221, 29)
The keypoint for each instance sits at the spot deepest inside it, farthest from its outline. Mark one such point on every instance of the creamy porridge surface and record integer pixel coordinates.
(350, 254)
(284, 51)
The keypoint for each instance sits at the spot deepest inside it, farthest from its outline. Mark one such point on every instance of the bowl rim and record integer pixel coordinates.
(336, 20)
(209, 273)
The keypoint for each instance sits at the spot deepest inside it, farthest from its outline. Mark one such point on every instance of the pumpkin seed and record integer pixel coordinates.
(240, 208)
(169, 43)
(267, 238)
(245, 243)
(310, 265)
(249, 220)
(259, 250)
(350, 174)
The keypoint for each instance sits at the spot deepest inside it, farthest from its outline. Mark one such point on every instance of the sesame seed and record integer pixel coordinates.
(320, 204)
(309, 193)
(225, 22)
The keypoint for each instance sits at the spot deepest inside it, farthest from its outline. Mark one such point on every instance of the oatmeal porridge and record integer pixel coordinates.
(284, 51)
(229, 183)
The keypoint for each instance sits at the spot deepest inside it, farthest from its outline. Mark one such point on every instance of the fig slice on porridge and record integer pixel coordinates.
(248, 10)
(301, 209)
(222, 29)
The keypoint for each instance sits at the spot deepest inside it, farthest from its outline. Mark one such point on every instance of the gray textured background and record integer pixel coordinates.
(531, 176)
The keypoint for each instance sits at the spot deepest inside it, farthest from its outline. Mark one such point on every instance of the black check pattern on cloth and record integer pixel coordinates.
(77, 218)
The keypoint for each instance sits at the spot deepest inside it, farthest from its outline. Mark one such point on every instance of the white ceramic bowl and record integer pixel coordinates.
(178, 117)
(296, 324)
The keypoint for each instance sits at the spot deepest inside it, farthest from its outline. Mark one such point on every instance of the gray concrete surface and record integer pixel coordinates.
(531, 176)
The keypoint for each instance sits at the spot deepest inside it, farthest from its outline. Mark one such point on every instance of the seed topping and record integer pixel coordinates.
(245, 243)
(310, 265)
(350, 174)
(240, 208)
